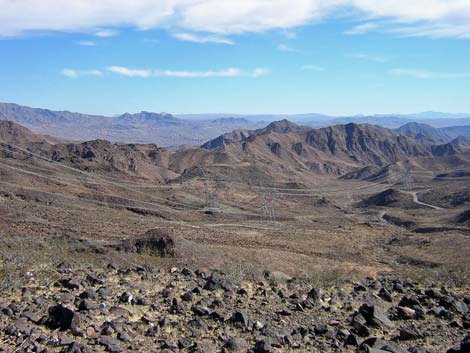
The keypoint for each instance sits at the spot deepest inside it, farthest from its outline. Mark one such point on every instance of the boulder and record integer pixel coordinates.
(63, 318)
(375, 315)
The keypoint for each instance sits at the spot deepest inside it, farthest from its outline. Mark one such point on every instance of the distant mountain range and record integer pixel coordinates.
(195, 129)
(435, 119)
(430, 135)
(144, 127)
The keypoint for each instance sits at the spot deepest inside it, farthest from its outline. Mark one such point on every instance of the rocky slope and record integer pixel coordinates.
(13, 133)
(286, 150)
(148, 309)
(145, 161)
(389, 198)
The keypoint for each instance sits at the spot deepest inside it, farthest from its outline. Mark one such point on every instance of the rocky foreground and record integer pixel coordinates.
(146, 309)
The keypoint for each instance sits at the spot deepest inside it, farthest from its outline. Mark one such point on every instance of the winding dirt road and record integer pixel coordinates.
(415, 200)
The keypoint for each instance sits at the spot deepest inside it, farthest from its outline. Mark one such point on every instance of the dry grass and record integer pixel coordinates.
(455, 276)
(22, 258)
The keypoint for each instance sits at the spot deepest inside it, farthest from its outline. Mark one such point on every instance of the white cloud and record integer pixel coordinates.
(105, 33)
(424, 75)
(312, 68)
(86, 43)
(194, 38)
(362, 29)
(229, 72)
(260, 71)
(71, 73)
(367, 57)
(434, 31)
(286, 48)
(434, 18)
(124, 71)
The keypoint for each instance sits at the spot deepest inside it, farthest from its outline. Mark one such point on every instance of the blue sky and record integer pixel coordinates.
(280, 57)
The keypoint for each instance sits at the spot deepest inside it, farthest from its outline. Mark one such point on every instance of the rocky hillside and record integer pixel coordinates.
(462, 141)
(284, 148)
(456, 131)
(99, 156)
(16, 134)
(229, 137)
(366, 144)
(390, 198)
(281, 150)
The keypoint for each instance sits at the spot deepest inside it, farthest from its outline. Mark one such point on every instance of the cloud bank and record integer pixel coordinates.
(428, 18)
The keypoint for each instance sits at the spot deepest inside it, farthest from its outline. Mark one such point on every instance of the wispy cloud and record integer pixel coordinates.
(105, 33)
(433, 31)
(124, 71)
(229, 72)
(368, 57)
(312, 68)
(194, 38)
(425, 75)
(86, 43)
(71, 73)
(362, 29)
(287, 48)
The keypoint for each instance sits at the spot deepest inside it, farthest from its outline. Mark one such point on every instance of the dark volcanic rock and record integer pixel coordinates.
(216, 281)
(86, 305)
(63, 318)
(240, 319)
(171, 312)
(375, 344)
(154, 242)
(409, 333)
(235, 344)
(375, 315)
(112, 345)
(263, 345)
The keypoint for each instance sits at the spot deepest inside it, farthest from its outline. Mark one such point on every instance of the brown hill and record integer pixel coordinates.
(389, 198)
(229, 137)
(464, 217)
(13, 133)
(446, 149)
(138, 160)
(417, 168)
(281, 126)
(365, 144)
(132, 160)
(462, 141)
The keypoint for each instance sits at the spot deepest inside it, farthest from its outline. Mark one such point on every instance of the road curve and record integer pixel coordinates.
(415, 200)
